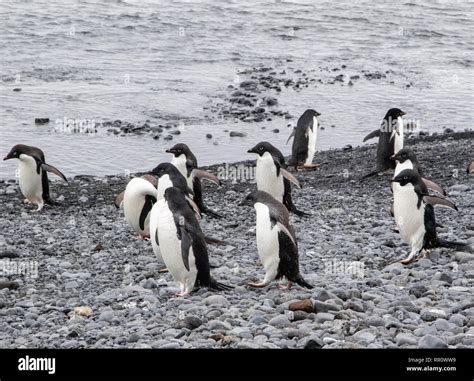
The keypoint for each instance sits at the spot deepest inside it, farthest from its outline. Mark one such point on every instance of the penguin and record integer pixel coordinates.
(390, 140)
(414, 215)
(139, 197)
(276, 240)
(406, 159)
(304, 142)
(186, 162)
(272, 176)
(470, 167)
(182, 243)
(33, 177)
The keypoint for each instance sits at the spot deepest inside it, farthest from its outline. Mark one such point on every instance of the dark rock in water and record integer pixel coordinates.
(448, 131)
(9, 254)
(9, 284)
(350, 83)
(259, 110)
(175, 132)
(209, 136)
(355, 76)
(248, 84)
(276, 130)
(41, 120)
(347, 147)
(270, 101)
(168, 137)
(339, 78)
(237, 134)
(156, 137)
(17, 89)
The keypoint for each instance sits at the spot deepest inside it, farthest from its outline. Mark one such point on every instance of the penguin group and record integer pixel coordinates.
(166, 204)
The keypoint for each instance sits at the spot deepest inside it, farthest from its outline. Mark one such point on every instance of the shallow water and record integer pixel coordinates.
(164, 61)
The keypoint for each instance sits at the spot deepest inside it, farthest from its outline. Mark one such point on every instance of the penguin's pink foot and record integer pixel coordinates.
(308, 167)
(406, 261)
(257, 285)
(26, 201)
(284, 286)
(163, 270)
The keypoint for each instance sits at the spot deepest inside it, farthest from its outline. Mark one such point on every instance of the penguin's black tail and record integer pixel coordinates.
(214, 241)
(460, 246)
(299, 280)
(211, 213)
(298, 212)
(373, 173)
(218, 286)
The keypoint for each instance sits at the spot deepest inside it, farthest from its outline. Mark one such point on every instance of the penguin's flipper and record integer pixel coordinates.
(433, 186)
(50, 168)
(214, 241)
(435, 200)
(186, 242)
(194, 207)
(291, 135)
(287, 175)
(206, 175)
(372, 135)
(149, 201)
(286, 231)
(119, 199)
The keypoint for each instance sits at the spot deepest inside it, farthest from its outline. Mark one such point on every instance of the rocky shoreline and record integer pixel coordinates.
(82, 253)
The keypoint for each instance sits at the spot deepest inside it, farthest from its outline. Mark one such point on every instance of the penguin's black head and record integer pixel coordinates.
(15, 152)
(394, 113)
(261, 148)
(179, 149)
(404, 155)
(311, 112)
(163, 169)
(407, 176)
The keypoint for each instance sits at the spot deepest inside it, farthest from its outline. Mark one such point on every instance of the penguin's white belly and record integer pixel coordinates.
(163, 184)
(267, 179)
(30, 181)
(180, 163)
(170, 247)
(399, 136)
(153, 228)
(267, 238)
(409, 219)
(133, 202)
(312, 135)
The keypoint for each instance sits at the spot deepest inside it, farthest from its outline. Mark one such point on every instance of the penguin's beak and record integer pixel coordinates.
(318, 114)
(251, 150)
(8, 157)
(171, 150)
(403, 113)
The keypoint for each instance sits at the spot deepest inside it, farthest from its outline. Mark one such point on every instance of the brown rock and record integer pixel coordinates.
(305, 305)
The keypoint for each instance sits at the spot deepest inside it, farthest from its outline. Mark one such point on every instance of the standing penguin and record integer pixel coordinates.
(182, 243)
(406, 159)
(186, 162)
(138, 199)
(272, 176)
(390, 140)
(33, 178)
(276, 240)
(304, 143)
(414, 215)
